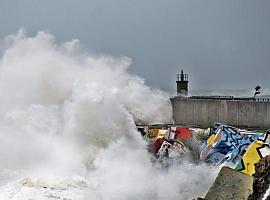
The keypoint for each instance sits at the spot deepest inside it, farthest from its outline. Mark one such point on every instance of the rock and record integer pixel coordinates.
(230, 184)
(261, 179)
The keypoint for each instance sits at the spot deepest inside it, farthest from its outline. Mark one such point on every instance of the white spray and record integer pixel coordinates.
(65, 114)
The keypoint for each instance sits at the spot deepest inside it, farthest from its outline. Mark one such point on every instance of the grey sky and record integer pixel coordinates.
(220, 43)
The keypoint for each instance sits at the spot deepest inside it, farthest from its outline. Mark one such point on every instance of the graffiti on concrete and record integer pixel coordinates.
(227, 144)
(221, 144)
(256, 151)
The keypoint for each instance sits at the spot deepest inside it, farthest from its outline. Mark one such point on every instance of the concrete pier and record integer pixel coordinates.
(240, 112)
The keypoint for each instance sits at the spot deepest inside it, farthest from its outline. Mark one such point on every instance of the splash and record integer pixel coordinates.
(66, 115)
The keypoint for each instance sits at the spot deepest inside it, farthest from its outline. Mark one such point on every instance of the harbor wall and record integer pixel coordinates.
(204, 112)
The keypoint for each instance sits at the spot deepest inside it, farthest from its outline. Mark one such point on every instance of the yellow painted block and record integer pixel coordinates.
(252, 156)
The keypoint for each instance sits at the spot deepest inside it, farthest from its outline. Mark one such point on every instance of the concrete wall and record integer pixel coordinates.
(204, 112)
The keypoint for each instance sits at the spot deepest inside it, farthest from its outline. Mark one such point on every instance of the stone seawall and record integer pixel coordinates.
(204, 112)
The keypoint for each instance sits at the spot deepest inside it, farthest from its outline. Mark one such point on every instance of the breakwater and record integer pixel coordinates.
(204, 111)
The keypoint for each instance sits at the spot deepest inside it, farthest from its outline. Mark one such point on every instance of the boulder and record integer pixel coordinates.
(230, 184)
(261, 179)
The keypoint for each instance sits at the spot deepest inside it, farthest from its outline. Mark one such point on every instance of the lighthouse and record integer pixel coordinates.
(182, 84)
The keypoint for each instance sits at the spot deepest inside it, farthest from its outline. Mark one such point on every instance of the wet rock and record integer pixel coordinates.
(261, 179)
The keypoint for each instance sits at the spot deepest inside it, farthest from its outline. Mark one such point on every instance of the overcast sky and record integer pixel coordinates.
(219, 43)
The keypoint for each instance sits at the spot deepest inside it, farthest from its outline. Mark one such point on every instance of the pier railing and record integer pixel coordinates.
(231, 98)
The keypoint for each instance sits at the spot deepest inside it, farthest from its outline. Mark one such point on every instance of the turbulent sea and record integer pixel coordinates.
(67, 127)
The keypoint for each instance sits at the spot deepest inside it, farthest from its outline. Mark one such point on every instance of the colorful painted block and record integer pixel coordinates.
(254, 153)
